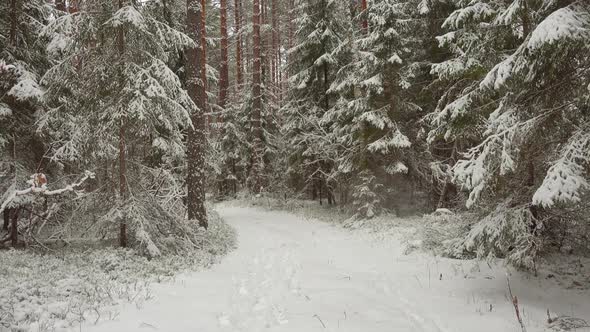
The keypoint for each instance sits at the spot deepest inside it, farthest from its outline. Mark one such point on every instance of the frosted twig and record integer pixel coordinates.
(44, 191)
(515, 303)
(318, 317)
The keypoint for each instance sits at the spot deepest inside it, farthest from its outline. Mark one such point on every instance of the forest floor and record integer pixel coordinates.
(291, 273)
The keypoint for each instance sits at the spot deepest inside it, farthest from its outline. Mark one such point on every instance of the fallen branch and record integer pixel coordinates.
(514, 300)
(42, 189)
(318, 317)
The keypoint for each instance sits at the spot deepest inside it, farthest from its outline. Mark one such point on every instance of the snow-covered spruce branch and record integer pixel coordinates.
(42, 189)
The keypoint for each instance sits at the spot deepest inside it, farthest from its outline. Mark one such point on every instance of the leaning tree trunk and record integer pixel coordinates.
(195, 84)
(256, 101)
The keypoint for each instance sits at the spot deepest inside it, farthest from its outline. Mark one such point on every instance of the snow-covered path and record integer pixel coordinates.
(289, 274)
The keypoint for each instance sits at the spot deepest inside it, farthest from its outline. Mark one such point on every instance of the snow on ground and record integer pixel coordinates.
(59, 290)
(293, 274)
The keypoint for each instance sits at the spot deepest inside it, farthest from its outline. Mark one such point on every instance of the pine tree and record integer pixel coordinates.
(135, 115)
(22, 62)
(528, 106)
(196, 86)
(224, 66)
(256, 117)
(367, 121)
(313, 63)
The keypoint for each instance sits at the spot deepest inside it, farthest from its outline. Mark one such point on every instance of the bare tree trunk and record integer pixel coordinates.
(320, 185)
(279, 53)
(122, 146)
(290, 39)
(238, 28)
(6, 215)
(73, 7)
(365, 23)
(195, 84)
(14, 17)
(265, 68)
(291, 32)
(274, 44)
(14, 226)
(235, 179)
(210, 118)
(256, 100)
(224, 70)
(60, 5)
(446, 187)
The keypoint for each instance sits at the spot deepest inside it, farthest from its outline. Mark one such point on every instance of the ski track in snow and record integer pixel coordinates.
(289, 274)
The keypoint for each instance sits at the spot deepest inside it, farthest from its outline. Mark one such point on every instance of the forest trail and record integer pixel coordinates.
(290, 274)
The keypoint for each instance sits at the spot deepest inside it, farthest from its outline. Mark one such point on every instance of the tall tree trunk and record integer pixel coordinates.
(448, 182)
(326, 88)
(122, 145)
(290, 39)
(14, 17)
(14, 226)
(291, 33)
(365, 23)
(73, 7)
(256, 100)
(60, 5)
(263, 46)
(224, 70)
(279, 54)
(203, 63)
(195, 84)
(6, 215)
(274, 42)
(277, 49)
(238, 28)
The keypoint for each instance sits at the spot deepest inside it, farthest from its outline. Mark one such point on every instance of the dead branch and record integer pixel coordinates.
(42, 189)
(514, 300)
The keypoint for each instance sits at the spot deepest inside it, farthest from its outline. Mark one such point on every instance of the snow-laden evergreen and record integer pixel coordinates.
(322, 28)
(137, 111)
(529, 108)
(366, 123)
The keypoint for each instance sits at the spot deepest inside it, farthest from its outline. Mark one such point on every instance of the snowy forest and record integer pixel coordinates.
(127, 123)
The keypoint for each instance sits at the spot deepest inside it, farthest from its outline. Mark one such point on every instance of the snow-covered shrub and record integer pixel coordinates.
(57, 289)
(507, 232)
(154, 231)
(441, 227)
(366, 197)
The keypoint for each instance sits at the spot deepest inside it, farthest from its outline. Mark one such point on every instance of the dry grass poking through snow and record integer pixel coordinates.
(57, 290)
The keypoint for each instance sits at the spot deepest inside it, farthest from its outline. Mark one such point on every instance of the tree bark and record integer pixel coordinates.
(238, 32)
(365, 22)
(14, 22)
(122, 145)
(60, 5)
(195, 84)
(256, 100)
(6, 215)
(73, 7)
(203, 62)
(274, 46)
(224, 70)
(14, 212)
(446, 187)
